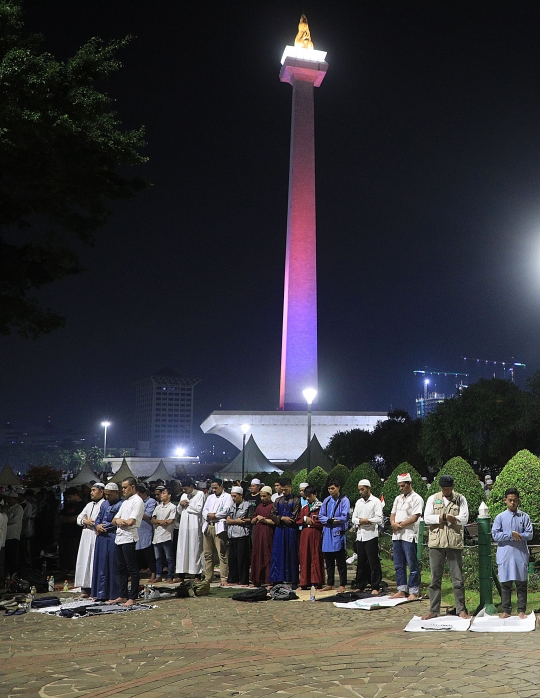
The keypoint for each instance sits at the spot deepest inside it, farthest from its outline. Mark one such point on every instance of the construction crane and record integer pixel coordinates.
(434, 372)
(509, 365)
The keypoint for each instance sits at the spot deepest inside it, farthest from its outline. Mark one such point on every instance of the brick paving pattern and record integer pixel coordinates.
(220, 648)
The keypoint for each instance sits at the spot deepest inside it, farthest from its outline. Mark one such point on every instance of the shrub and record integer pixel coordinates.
(317, 478)
(301, 477)
(521, 471)
(339, 473)
(466, 483)
(391, 490)
(363, 471)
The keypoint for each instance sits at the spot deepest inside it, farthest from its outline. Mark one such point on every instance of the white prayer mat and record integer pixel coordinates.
(483, 623)
(441, 623)
(374, 603)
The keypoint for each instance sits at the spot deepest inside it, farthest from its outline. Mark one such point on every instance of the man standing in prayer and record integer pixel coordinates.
(144, 547)
(85, 557)
(189, 554)
(70, 532)
(334, 516)
(263, 536)
(214, 530)
(406, 511)
(163, 521)
(367, 516)
(128, 521)
(511, 531)
(310, 555)
(254, 492)
(277, 490)
(239, 532)
(285, 512)
(14, 527)
(104, 587)
(446, 513)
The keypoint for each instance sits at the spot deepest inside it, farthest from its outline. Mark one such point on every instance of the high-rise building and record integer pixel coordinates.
(164, 412)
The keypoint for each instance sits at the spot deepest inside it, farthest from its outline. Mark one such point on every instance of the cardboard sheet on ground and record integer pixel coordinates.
(439, 624)
(371, 604)
(483, 623)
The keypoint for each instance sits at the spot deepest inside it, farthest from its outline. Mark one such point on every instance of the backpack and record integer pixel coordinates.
(192, 588)
(252, 595)
(282, 592)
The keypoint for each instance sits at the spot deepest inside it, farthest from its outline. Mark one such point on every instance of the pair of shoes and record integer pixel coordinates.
(351, 560)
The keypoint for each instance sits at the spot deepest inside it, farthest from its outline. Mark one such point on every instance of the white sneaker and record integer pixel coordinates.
(351, 560)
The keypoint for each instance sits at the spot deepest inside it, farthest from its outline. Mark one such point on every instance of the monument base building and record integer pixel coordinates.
(282, 436)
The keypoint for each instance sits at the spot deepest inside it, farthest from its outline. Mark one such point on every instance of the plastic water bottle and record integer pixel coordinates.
(33, 591)
(66, 586)
(146, 592)
(51, 583)
(312, 593)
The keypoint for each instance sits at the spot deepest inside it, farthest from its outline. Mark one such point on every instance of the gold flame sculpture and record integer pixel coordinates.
(303, 38)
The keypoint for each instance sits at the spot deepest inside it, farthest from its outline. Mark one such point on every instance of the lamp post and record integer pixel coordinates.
(105, 425)
(245, 429)
(309, 395)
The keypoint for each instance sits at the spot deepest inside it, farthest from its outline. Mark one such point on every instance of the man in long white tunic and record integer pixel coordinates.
(189, 553)
(85, 556)
(511, 531)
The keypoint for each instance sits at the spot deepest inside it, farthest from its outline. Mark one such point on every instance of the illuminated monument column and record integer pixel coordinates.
(303, 68)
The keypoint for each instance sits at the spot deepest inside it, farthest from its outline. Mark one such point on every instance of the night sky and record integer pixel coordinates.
(428, 206)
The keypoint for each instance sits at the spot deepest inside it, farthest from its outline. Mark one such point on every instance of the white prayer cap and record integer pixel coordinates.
(99, 485)
(237, 490)
(255, 481)
(364, 483)
(303, 485)
(111, 486)
(404, 477)
(267, 489)
(489, 482)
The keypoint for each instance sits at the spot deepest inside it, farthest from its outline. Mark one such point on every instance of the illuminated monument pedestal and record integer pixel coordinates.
(281, 436)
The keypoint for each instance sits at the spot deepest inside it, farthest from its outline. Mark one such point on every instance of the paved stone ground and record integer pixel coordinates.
(220, 648)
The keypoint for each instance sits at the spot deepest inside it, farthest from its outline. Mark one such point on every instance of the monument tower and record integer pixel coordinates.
(303, 68)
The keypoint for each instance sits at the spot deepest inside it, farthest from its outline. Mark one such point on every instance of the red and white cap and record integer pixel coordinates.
(404, 477)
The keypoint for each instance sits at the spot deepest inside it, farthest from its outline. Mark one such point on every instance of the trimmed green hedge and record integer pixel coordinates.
(466, 483)
(301, 477)
(340, 473)
(363, 471)
(521, 471)
(317, 478)
(391, 489)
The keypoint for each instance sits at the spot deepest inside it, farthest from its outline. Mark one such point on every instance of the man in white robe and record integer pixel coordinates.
(189, 553)
(85, 556)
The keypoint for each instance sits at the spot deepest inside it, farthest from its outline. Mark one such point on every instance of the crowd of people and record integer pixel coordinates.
(255, 536)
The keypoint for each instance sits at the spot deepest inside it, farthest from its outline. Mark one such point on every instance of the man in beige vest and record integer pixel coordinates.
(446, 513)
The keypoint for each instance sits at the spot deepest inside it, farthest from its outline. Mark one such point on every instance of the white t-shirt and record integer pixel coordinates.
(405, 506)
(164, 512)
(3, 529)
(370, 508)
(132, 508)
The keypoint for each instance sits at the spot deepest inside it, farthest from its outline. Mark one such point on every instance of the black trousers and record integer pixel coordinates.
(12, 556)
(506, 596)
(146, 558)
(239, 560)
(338, 558)
(126, 566)
(368, 567)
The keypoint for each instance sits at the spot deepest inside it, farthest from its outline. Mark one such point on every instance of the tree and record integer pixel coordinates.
(42, 476)
(298, 478)
(397, 439)
(61, 147)
(523, 472)
(391, 489)
(363, 472)
(488, 422)
(351, 447)
(466, 483)
(317, 478)
(340, 473)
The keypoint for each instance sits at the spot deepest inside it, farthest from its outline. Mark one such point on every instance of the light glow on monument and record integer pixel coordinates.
(303, 70)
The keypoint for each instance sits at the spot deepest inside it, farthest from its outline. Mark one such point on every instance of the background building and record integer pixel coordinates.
(164, 413)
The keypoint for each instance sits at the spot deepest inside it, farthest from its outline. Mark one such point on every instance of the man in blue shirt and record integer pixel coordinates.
(511, 531)
(334, 516)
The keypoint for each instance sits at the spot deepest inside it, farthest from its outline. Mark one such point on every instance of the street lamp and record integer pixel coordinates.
(245, 429)
(309, 395)
(105, 425)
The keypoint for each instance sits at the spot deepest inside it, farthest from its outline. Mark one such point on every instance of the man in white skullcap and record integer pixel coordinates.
(367, 516)
(85, 557)
(406, 511)
(254, 495)
(239, 532)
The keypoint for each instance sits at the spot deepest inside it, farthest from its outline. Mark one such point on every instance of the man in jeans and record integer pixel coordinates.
(163, 520)
(406, 511)
(128, 521)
